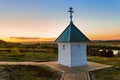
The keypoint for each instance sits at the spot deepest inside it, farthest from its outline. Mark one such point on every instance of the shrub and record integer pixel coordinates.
(15, 51)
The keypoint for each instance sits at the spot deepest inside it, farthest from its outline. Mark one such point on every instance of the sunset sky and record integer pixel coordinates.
(97, 19)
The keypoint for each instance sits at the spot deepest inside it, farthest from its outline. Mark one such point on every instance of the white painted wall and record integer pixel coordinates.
(78, 54)
(64, 54)
(72, 54)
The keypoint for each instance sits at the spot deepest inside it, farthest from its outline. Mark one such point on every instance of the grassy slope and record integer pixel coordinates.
(115, 61)
(105, 74)
(28, 73)
(28, 56)
(109, 73)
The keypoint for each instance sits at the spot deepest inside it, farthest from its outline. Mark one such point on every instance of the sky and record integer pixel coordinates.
(97, 19)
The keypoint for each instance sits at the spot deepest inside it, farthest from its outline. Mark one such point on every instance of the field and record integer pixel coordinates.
(48, 52)
(19, 72)
(106, 43)
(28, 52)
(112, 73)
(28, 56)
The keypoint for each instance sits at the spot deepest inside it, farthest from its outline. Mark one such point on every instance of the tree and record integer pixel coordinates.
(110, 53)
(118, 53)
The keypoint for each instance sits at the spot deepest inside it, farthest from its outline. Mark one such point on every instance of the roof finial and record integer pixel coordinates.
(71, 11)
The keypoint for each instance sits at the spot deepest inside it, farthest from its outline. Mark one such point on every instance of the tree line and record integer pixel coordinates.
(102, 50)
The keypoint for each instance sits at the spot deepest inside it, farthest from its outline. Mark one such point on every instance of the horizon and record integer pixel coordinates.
(39, 39)
(28, 20)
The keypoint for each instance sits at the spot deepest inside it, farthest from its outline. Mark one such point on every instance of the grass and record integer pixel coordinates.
(19, 72)
(115, 61)
(28, 56)
(106, 74)
(112, 73)
(28, 72)
(47, 53)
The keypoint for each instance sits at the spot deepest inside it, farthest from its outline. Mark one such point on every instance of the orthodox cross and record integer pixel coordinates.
(71, 11)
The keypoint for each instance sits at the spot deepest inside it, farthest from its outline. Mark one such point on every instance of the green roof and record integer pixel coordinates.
(72, 34)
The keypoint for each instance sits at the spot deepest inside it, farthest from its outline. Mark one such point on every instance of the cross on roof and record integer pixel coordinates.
(71, 11)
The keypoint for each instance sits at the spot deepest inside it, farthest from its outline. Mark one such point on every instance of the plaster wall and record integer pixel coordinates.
(64, 54)
(78, 54)
(72, 54)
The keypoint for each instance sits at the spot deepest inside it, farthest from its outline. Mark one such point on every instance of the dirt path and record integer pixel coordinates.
(76, 76)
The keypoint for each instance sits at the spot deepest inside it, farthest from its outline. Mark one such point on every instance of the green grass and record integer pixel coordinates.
(112, 73)
(115, 61)
(48, 53)
(28, 56)
(106, 74)
(19, 72)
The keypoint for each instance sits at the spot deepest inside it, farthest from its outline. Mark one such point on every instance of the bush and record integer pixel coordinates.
(15, 51)
(103, 53)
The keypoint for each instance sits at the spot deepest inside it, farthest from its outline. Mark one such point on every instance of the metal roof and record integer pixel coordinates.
(72, 34)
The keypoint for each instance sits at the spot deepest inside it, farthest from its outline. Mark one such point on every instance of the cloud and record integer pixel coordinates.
(116, 35)
(24, 38)
(29, 39)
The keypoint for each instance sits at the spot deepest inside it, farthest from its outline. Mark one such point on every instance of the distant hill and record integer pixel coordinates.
(2, 41)
(110, 41)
